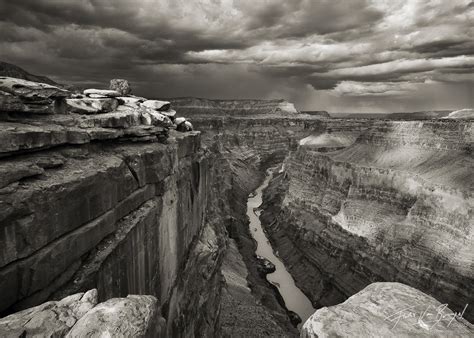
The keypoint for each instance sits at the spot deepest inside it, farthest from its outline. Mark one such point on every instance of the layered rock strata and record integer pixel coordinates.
(191, 106)
(396, 205)
(116, 201)
(387, 310)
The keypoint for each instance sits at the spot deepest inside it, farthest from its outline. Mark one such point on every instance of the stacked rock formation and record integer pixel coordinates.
(80, 315)
(38, 115)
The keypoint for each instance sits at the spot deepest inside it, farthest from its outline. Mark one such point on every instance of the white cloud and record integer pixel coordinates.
(353, 88)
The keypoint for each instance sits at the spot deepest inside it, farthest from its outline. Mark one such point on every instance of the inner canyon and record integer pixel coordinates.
(229, 218)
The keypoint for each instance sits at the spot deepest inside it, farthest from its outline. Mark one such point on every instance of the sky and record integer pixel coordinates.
(335, 55)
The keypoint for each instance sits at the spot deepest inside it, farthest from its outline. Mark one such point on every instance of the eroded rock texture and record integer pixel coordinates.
(191, 106)
(116, 201)
(80, 315)
(396, 205)
(387, 310)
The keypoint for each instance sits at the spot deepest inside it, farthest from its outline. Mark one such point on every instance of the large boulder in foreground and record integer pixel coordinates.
(133, 316)
(79, 315)
(387, 310)
(50, 319)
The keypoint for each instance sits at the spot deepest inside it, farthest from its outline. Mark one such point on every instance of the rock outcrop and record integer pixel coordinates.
(80, 315)
(320, 113)
(387, 310)
(190, 106)
(116, 201)
(396, 205)
(10, 70)
(462, 114)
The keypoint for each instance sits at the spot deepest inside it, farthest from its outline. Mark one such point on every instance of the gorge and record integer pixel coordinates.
(97, 206)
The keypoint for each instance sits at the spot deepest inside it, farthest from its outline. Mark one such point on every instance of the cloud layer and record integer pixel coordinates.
(358, 55)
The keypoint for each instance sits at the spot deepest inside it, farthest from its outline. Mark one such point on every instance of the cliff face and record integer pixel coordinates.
(190, 106)
(125, 218)
(396, 205)
(107, 200)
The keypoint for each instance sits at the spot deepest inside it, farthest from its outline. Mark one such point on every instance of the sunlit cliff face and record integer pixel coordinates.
(362, 55)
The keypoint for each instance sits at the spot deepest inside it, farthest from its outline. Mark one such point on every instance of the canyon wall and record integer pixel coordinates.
(115, 201)
(120, 202)
(191, 106)
(396, 205)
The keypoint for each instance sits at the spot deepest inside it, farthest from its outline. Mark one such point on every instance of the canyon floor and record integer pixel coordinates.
(112, 203)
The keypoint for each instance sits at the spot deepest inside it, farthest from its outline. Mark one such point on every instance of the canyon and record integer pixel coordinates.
(118, 203)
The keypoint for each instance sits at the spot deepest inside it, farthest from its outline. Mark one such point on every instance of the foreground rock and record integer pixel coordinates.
(31, 90)
(387, 310)
(79, 315)
(22, 96)
(91, 105)
(134, 316)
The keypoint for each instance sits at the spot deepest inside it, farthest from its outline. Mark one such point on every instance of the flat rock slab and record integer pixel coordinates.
(157, 105)
(102, 92)
(171, 113)
(387, 310)
(91, 105)
(33, 91)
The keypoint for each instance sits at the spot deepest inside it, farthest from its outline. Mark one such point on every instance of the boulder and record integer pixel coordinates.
(120, 85)
(184, 126)
(32, 91)
(387, 310)
(50, 319)
(154, 118)
(91, 105)
(170, 113)
(133, 102)
(118, 317)
(180, 120)
(157, 105)
(102, 92)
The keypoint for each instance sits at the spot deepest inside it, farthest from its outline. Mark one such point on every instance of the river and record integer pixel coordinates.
(295, 299)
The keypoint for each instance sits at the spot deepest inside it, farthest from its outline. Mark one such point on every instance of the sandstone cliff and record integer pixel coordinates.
(197, 106)
(117, 201)
(396, 205)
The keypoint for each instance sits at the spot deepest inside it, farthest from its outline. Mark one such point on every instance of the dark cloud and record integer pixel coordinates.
(235, 48)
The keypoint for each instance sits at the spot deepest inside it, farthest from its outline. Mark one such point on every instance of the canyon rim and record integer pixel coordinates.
(235, 168)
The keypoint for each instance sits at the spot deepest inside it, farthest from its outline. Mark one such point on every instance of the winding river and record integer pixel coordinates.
(295, 299)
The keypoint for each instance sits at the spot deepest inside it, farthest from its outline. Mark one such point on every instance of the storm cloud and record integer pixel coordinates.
(360, 55)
